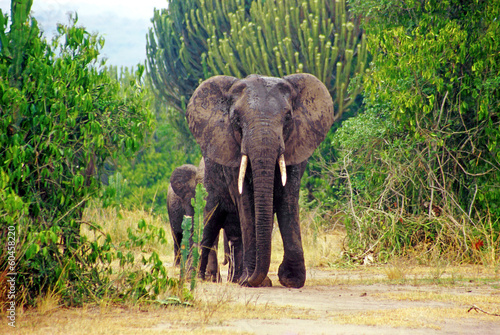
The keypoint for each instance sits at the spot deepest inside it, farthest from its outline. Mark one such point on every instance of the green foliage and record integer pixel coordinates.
(174, 57)
(277, 38)
(441, 77)
(423, 160)
(141, 284)
(62, 116)
(130, 282)
(147, 173)
(174, 63)
(144, 176)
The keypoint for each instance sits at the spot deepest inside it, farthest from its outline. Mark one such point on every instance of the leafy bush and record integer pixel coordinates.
(420, 167)
(439, 72)
(62, 116)
(143, 178)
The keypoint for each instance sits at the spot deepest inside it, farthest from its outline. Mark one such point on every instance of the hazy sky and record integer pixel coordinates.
(123, 23)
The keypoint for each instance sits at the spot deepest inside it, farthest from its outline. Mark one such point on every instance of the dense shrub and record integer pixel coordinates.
(421, 166)
(62, 116)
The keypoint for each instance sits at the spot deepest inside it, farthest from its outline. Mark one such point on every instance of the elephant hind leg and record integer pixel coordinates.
(213, 273)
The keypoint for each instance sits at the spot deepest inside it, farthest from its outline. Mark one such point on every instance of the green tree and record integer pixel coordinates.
(435, 79)
(62, 116)
(174, 62)
(439, 70)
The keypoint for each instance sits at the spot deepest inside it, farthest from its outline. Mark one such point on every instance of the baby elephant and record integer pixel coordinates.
(181, 190)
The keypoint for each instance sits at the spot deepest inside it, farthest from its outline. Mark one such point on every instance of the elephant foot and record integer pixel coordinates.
(243, 281)
(290, 277)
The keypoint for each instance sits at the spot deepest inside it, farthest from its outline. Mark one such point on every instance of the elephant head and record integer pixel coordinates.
(185, 178)
(184, 181)
(266, 123)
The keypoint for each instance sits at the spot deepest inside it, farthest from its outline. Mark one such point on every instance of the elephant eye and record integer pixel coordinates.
(288, 116)
(236, 123)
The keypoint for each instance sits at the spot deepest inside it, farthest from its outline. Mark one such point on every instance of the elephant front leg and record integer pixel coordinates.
(209, 267)
(209, 245)
(292, 271)
(247, 249)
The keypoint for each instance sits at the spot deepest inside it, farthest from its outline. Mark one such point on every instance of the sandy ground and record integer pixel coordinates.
(334, 302)
(362, 300)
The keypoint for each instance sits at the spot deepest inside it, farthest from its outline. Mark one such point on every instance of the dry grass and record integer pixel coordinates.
(395, 273)
(47, 303)
(209, 310)
(322, 247)
(116, 223)
(420, 317)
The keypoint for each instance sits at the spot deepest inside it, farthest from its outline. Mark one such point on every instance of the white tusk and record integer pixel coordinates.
(243, 169)
(282, 165)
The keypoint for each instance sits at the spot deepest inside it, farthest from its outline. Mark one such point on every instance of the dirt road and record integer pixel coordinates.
(361, 301)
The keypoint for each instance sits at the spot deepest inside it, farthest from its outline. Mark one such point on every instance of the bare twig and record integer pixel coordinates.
(441, 111)
(351, 202)
(464, 170)
(477, 309)
(472, 202)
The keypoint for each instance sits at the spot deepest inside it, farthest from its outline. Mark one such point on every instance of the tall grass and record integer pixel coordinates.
(118, 223)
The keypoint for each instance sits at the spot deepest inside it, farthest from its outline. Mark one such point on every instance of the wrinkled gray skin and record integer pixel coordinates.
(181, 190)
(262, 118)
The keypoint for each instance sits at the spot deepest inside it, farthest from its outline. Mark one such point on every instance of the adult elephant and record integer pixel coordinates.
(256, 135)
(181, 190)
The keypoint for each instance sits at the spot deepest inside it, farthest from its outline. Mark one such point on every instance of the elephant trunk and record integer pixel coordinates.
(263, 166)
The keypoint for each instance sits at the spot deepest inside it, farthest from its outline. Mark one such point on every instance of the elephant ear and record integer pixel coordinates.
(183, 181)
(208, 119)
(312, 117)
